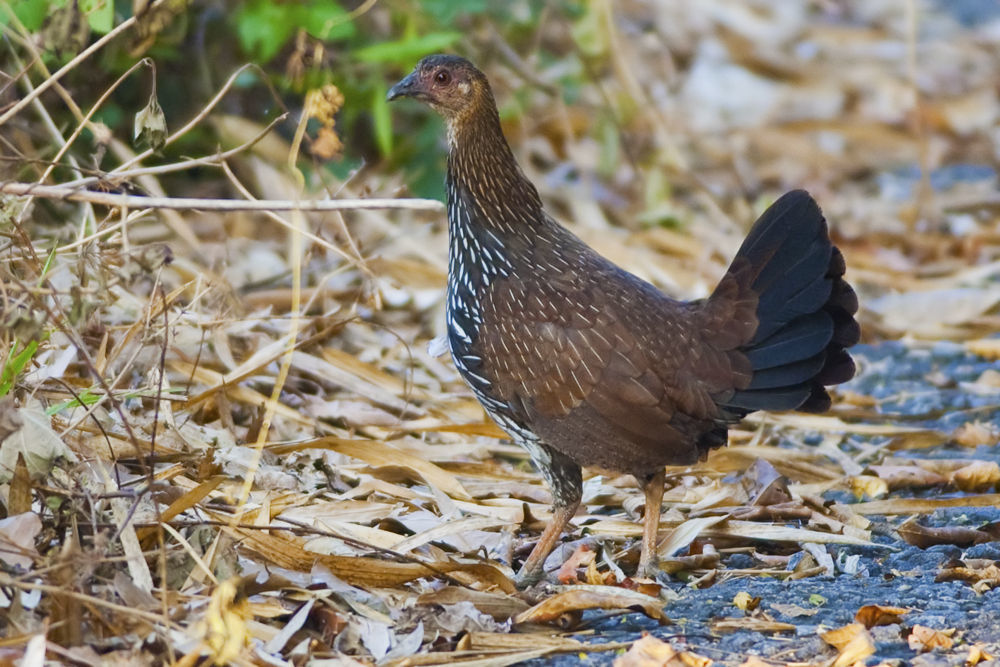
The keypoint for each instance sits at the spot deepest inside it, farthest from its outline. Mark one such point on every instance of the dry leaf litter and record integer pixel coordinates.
(237, 439)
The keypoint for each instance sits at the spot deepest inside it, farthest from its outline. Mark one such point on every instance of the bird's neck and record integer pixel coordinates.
(486, 187)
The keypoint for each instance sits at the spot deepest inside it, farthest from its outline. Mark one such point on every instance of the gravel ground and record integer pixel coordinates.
(919, 386)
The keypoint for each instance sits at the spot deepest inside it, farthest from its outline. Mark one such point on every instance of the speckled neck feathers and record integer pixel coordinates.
(485, 179)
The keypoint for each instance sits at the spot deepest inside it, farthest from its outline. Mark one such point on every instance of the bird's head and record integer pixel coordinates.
(450, 85)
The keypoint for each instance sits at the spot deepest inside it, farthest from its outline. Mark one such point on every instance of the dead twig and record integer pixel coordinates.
(209, 160)
(192, 203)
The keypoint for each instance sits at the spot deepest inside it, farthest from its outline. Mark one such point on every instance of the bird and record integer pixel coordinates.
(583, 363)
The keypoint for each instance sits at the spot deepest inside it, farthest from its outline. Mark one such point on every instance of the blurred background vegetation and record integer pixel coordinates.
(360, 47)
(613, 73)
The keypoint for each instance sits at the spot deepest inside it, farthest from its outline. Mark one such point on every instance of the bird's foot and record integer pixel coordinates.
(648, 568)
(526, 578)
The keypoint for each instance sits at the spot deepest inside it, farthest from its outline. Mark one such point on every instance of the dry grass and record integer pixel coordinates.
(232, 440)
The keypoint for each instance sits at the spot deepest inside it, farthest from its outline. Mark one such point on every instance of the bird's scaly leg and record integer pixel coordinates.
(531, 571)
(653, 488)
(565, 480)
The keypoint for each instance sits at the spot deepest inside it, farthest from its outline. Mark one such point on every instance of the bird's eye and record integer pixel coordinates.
(442, 76)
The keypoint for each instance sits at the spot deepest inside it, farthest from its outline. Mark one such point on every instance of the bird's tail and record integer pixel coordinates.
(794, 312)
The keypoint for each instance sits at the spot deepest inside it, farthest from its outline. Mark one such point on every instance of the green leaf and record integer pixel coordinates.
(382, 119)
(15, 364)
(324, 20)
(445, 11)
(86, 397)
(100, 14)
(590, 32)
(263, 27)
(405, 51)
(817, 600)
(48, 265)
(31, 13)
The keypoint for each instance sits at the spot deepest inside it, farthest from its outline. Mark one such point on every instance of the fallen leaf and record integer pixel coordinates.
(131, 594)
(581, 557)
(871, 615)
(768, 532)
(40, 445)
(793, 510)
(793, 610)
(906, 312)
(358, 414)
(447, 529)
(868, 485)
(977, 654)
(977, 476)
(20, 494)
(10, 420)
(703, 561)
(591, 597)
(685, 534)
(594, 577)
(652, 652)
(458, 618)
(224, 625)
(360, 378)
(927, 536)
(17, 539)
(987, 382)
(923, 638)
(852, 641)
(512, 641)
(764, 485)
(982, 575)
(975, 434)
(290, 627)
(498, 605)
(907, 476)
(745, 602)
(988, 348)
(897, 506)
(378, 453)
(289, 552)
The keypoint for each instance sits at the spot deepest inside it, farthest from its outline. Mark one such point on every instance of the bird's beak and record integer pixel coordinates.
(407, 87)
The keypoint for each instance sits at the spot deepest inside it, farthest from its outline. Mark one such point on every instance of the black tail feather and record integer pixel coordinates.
(789, 374)
(802, 338)
(805, 310)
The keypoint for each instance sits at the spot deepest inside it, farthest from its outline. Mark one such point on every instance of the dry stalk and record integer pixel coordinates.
(191, 203)
(71, 65)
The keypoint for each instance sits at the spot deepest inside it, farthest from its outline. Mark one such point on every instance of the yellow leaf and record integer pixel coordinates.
(853, 642)
(742, 600)
(977, 476)
(977, 655)
(224, 628)
(923, 638)
(653, 652)
(868, 485)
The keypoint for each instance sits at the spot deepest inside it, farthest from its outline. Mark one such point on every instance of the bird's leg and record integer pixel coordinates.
(653, 488)
(532, 569)
(565, 479)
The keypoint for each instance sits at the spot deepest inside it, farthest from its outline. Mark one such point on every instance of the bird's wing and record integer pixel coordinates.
(603, 340)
